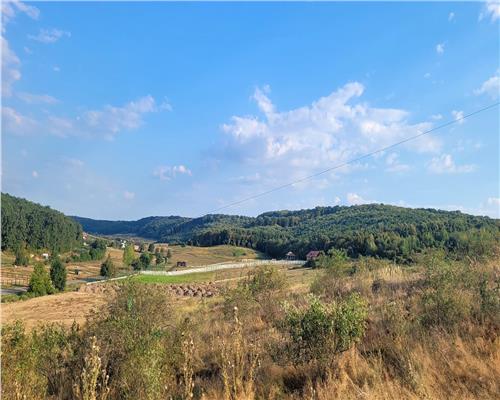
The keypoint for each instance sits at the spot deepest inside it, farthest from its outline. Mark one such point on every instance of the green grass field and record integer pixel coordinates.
(189, 278)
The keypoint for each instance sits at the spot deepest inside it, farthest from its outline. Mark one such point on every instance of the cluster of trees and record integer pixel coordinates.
(43, 282)
(27, 224)
(369, 230)
(95, 251)
(145, 260)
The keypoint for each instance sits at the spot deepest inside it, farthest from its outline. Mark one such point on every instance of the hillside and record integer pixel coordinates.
(373, 229)
(36, 226)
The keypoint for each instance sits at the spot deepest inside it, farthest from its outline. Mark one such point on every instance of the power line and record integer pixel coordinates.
(380, 150)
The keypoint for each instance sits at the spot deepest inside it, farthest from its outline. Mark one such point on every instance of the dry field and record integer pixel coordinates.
(20, 276)
(64, 308)
(195, 256)
(76, 306)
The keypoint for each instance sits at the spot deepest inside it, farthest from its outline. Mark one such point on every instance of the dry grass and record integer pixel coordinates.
(64, 308)
(195, 256)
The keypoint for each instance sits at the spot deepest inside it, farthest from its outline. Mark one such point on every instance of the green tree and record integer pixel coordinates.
(58, 274)
(159, 259)
(40, 283)
(169, 254)
(151, 248)
(108, 269)
(128, 254)
(143, 247)
(21, 256)
(143, 262)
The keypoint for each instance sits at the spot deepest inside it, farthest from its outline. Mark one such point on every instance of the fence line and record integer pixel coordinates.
(221, 266)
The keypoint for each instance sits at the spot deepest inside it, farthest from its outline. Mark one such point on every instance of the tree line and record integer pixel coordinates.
(27, 224)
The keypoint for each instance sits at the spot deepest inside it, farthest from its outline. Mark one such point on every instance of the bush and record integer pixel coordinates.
(320, 331)
(21, 256)
(446, 300)
(108, 268)
(143, 262)
(58, 274)
(40, 283)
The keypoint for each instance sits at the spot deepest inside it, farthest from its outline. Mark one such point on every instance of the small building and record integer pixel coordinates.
(45, 256)
(181, 263)
(312, 255)
(123, 244)
(137, 247)
(290, 256)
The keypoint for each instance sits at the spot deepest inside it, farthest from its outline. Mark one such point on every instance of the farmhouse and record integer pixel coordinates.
(181, 263)
(312, 255)
(290, 256)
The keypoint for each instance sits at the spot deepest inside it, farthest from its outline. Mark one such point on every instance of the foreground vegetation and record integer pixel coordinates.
(364, 328)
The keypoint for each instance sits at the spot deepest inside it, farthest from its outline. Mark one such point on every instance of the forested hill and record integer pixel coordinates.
(373, 229)
(38, 227)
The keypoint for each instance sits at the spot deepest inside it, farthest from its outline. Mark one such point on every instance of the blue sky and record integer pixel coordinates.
(125, 110)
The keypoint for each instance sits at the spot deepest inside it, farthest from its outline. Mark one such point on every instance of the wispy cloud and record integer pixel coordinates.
(440, 48)
(446, 165)
(394, 165)
(491, 86)
(49, 35)
(491, 10)
(167, 173)
(458, 116)
(451, 16)
(354, 199)
(31, 98)
(106, 122)
(128, 195)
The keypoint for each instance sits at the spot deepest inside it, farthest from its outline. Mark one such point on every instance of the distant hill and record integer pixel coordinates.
(36, 226)
(372, 229)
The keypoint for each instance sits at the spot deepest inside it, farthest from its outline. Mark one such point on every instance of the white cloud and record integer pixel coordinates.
(451, 16)
(31, 98)
(458, 116)
(336, 200)
(354, 199)
(10, 62)
(393, 164)
(34, 174)
(55, 68)
(436, 117)
(10, 68)
(74, 162)
(106, 122)
(49, 35)
(490, 87)
(16, 123)
(329, 131)
(427, 75)
(495, 201)
(440, 48)
(167, 173)
(12, 7)
(490, 9)
(128, 195)
(445, 164)
(247, 179)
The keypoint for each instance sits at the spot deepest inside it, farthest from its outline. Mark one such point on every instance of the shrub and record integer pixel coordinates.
(58, 274)
(40, 283)
(21, 256)
(108, 268)
(446, 299)
(320, 331)
(128, 254)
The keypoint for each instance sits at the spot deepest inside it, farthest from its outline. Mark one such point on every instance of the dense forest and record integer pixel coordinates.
(372, 230)
(25, 223)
